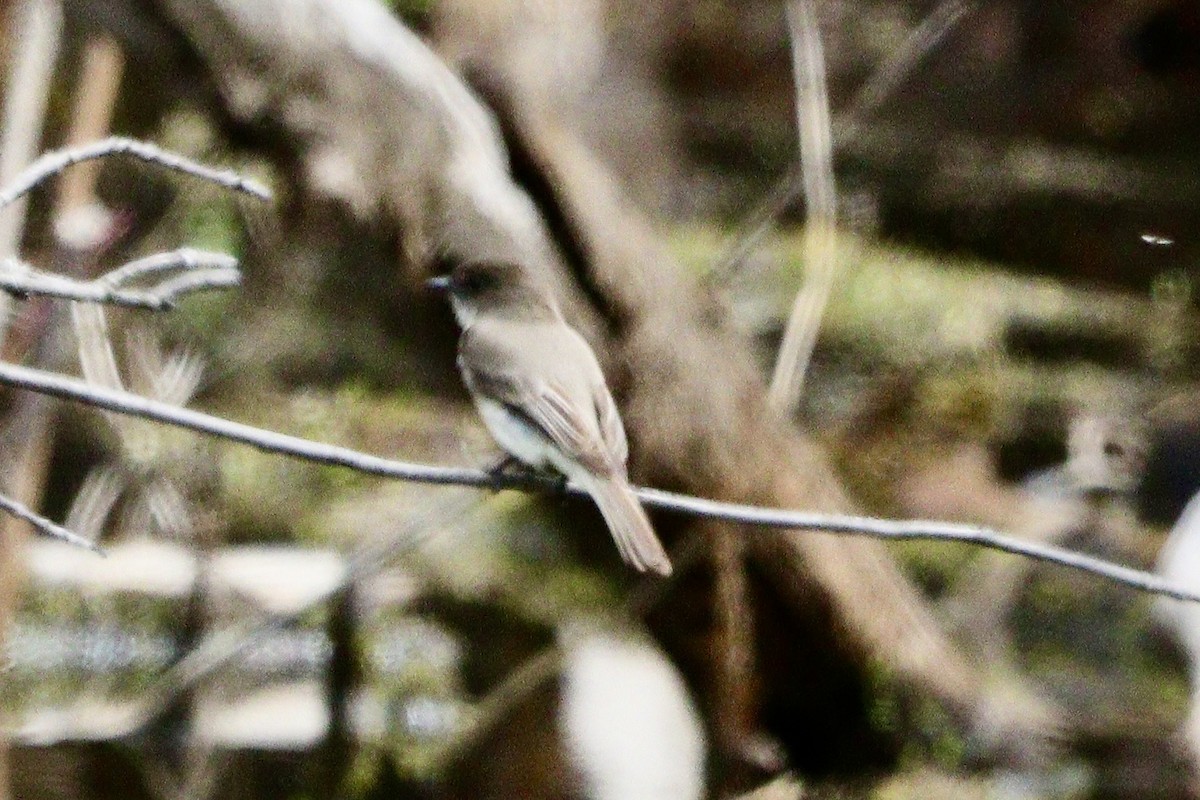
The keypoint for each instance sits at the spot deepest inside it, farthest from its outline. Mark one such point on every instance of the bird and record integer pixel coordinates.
(541, 394)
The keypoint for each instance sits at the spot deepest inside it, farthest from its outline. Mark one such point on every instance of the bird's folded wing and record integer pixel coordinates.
(610, 425)
(544, 403)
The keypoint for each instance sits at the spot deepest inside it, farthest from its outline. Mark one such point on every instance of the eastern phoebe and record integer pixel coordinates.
(540, 392)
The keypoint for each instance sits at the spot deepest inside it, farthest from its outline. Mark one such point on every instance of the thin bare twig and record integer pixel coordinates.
(820, 196)
(203, 270)
(35, 34)
(867, 100)
(185, 258)
(166, 294)
(44, 526)
(899, 65)
(124, 403)
(56, 161)
(756, 226)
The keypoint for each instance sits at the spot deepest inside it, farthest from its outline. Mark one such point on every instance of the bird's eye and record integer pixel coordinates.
(474, 281)
(1113, 450)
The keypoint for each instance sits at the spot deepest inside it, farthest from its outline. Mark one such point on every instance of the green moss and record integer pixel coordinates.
(699, 247)
(413, 12)
(933, 565)
(266, 493)
(907, 307)
(214, 226)
(202, 317)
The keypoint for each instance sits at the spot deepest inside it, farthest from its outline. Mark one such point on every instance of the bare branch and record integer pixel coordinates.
(867, 100)
(56, 161)
(516, 688)
(203, 270)
(184, 258)
(900, 64)
(820, 197)
(332, 455)
(95, 100)
(44, 526)
(167, 293)
(757, 224)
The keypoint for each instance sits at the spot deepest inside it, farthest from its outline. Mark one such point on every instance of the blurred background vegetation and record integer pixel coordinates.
(1015, 257)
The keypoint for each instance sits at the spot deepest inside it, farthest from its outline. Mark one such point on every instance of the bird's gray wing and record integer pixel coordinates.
(610, 424)
(548, 400)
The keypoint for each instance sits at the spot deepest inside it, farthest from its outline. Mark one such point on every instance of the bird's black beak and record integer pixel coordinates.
(439, 284)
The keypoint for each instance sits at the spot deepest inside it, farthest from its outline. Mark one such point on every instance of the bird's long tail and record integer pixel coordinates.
(628, 523)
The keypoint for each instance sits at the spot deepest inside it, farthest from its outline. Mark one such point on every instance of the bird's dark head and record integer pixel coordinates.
(502, 288)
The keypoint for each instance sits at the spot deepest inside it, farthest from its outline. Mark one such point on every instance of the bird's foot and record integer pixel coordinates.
(511, 469)
(506, 467)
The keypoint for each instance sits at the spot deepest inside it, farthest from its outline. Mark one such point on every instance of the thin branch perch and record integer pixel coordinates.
(332, 455)
(899, 65)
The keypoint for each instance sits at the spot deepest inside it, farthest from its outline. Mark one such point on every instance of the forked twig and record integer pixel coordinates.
(185, 258)
(201, 270)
